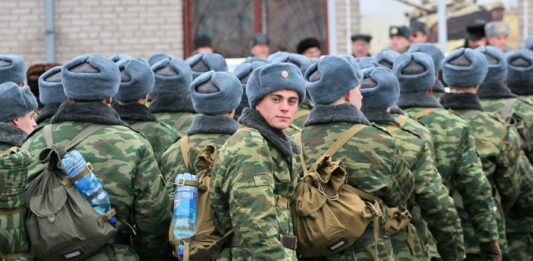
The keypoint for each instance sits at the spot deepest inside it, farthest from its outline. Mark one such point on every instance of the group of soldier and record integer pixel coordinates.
(453, 163)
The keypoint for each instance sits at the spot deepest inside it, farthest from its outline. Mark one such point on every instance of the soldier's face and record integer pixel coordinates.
(360, 48)
(26, 123)
(499, 41)
(278, 108)
(260, 50)
(399, 43)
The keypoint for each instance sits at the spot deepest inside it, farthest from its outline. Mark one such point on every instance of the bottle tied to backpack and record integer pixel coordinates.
(88, 184)
(184, 214)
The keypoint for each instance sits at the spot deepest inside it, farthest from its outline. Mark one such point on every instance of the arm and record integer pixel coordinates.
(506, 177)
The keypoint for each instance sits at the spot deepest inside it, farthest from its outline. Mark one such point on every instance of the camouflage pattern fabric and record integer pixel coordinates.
(460, 167)
(374, 165)
(249, 181)
(125, 163)
(430, 201)
(301, 115)
(159, 134)
(180, 121)
(14, 164)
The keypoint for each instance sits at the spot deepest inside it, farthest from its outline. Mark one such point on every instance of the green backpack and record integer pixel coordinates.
(61, 223)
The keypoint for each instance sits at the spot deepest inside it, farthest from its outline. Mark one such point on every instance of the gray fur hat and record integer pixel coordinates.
(119, 57)
(215, 93)
(355, 65)
(415, 72)
(15, 101)
(136, 79)
(156, 57)
(430, 49)
(380, 88)
(204, 62)
(172, 76)
(386, 57)
(51, 87)
(367, 62)
(520, 66)
(244, 70)
(299, 60)
(464, 68)
(496, 63)
(497, 28)
(331, 78)
(274, 77)
(12, 68)
(90, 77)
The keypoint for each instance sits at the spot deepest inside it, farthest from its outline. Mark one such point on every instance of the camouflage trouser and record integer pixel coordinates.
(114, 252)
(362, 250)
(520, 246)
(407, 246)
(13, 240)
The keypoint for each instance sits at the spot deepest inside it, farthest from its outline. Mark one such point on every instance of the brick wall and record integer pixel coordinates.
(342, 21)
(135, 27)
(529, 10)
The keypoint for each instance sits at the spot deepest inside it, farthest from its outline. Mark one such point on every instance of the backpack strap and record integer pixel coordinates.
(184, 146)
(402, 119)
(425, 112)
(180, 121)
(507, 112)
(344, 137)
(298, 140)
(140, 125)
(301, 113)
(48, 137)
(85, 133)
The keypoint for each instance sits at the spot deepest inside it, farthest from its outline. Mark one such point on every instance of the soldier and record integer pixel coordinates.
(206, 62)
(430, 200)
(306, 105)
(122, 158)
(16, 123)
(520, 73)
(136, 82)
(243, 72)
(361, 45)
(419, 32)
(497, 34)
(455, 149)
(437, 55)
(51, 95)
(386, 57)
(475, 35)
(254, 176)
(464, 70)
(399, 38)
(497, 98)
(202, 43)
(372, 159)
(367, 62)
(12, 69)
(33, 74)
(171, 102)
(309, 47)
(259, 46)
(215, 95)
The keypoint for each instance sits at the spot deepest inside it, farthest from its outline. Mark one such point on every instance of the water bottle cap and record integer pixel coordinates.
(112, 220)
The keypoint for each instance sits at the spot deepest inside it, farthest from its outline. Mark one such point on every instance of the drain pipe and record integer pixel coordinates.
(49, 30)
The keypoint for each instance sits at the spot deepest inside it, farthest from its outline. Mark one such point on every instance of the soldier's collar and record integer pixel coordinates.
(217, 124)
(461, 101)
(134, 112)
(379, 116)
(93, 112)
(172, 103)
(322, 114)
(521, 88)
(494, 90)
(417, 99)
(47, 112)
(11, 135)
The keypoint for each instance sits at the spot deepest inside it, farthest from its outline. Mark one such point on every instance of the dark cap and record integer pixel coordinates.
(476, 30)
(417, 26)
(365, 37)
(402, 30)
(306, 44)
(202, 40)
(259, 39)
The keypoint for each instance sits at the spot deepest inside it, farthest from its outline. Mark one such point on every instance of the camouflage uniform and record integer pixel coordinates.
(373, 162)
(125, 163)
(14, 164)
(301, 115)
(174, 110)
(457, 162)
(159, 134)
(252, 181)
(498, 149)
(430, 201)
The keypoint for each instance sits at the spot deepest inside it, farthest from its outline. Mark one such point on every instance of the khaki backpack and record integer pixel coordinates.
(206, 244)
(61, 223)
(328, 214)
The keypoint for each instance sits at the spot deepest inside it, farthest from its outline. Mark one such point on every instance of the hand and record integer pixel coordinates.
(491, 250)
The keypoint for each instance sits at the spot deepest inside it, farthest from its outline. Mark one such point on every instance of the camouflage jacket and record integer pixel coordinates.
(174, 110)
(457, 160)
(430, 198)
(159, 134)
(14, 164)
(252, 180)
(205, 130)
(124, 162)
(45, 114)
(301, 115)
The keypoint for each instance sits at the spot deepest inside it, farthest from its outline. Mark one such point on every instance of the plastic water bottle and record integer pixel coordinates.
(184, 214)
(89, 185)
